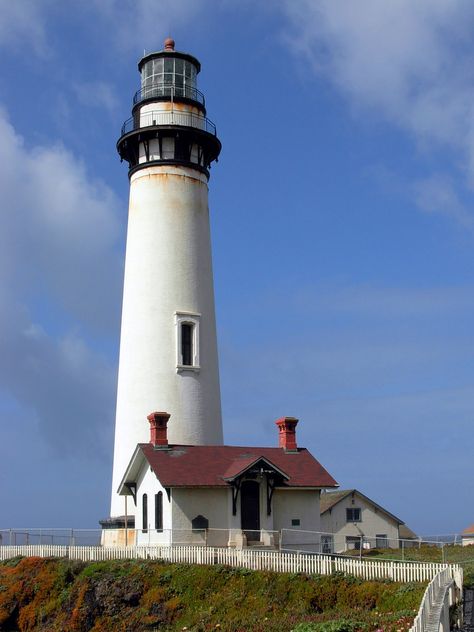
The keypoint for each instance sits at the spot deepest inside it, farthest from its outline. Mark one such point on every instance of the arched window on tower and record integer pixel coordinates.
(187, 343)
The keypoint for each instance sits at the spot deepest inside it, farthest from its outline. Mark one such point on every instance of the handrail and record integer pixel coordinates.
(158, 90)
(436, 596)
(168, 117)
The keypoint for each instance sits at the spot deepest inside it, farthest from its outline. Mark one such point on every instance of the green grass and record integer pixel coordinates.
(46, 595)
(451, 553)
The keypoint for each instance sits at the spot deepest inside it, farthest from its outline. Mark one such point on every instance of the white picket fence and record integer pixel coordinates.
(247, 558)
(444, 590)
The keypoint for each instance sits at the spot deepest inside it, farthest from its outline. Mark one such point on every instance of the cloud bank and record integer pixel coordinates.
(59, 289)
(409, 63)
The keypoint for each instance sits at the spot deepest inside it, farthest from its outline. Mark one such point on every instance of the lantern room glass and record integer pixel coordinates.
(168, 76)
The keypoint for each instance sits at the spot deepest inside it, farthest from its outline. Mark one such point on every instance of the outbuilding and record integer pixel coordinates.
(467, 536)
(225, 495)
(352, 520)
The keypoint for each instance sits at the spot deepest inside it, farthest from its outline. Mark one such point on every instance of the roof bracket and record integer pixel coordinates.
(132, 488)
(270, 490)
(235, 493)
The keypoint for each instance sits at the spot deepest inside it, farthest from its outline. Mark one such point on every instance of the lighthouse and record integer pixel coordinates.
(168, 344)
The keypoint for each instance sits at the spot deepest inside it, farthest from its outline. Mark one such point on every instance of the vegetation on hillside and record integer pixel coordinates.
(452, 553)
(39, 595)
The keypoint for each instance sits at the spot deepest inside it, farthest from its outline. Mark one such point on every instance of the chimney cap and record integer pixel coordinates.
(282, 421)
(159, 429)
(155, 416)
(287, 433)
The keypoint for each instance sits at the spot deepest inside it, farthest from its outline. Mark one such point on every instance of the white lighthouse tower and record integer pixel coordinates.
(168, 347)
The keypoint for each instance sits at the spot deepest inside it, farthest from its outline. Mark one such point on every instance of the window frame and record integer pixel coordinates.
(327, 544)
(162, 73)
(159, 512)
(351, 511)
(145, 513)
(187, 318)
(381, 541)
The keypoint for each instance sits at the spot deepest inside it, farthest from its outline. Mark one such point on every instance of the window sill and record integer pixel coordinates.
(181, 368)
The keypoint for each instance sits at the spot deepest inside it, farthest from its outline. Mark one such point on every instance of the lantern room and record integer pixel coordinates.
(169, 74)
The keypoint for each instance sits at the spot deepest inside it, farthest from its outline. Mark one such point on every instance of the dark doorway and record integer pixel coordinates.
(250, 509)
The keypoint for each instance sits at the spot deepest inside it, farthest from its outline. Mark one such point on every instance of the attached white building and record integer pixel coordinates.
(225, 495)
(352, 520)
(467, 536)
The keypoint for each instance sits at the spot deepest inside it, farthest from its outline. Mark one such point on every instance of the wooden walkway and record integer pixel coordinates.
(434, 616)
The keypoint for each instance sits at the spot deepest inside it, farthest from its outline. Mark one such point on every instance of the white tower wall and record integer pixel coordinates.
(168, 273)
(168, 346)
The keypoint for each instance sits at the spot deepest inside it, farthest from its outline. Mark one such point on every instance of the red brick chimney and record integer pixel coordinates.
(287, 433)
(159, 429)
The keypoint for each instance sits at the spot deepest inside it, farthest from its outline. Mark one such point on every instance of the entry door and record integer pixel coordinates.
(250, 509)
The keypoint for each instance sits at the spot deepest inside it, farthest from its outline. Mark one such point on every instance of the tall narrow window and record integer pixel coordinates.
(159, 511)
(144, 513)
(187, 341)
(187, 344)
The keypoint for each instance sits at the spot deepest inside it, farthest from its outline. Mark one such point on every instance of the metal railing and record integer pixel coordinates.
(289, 540)
(159, 90)
(168, 117)
(252, 558)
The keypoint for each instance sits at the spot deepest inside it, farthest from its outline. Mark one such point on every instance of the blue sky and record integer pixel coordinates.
(342, 229)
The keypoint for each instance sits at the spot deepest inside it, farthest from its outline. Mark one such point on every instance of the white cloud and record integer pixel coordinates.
(63, 387)
(348, 343)
(409, 62)
(23, 21)
(127, 24)
(97, 94)
(139, 24)
(386, 302)
(59, 287)
(437, 194)
(381, 379)
(60, 225)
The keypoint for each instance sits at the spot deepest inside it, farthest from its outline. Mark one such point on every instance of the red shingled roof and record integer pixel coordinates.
(208, 466)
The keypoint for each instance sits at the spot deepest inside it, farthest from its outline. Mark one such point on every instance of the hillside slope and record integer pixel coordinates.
(48, 595)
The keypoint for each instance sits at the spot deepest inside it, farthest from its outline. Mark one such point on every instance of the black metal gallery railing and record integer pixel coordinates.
(158, 90)
(168, 117)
